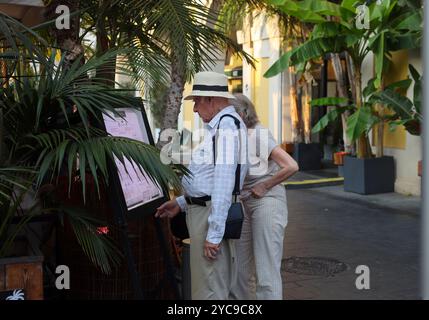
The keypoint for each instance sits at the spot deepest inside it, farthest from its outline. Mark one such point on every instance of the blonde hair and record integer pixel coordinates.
(245, 109)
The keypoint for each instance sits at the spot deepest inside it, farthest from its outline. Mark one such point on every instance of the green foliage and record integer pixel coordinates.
(329, 117)
(393, 25)
(48, 121)
(360, 122)
(406, 110)
(330, 101)
(99, 247)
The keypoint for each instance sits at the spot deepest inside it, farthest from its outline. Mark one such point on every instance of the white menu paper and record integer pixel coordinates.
(138, 188)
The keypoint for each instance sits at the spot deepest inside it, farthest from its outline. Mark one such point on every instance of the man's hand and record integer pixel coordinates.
(168, 210)
(259, 190)
(211, 250)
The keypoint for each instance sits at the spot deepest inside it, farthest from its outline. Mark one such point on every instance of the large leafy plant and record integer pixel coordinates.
(407, 112)
(392, 25)
(50, 115)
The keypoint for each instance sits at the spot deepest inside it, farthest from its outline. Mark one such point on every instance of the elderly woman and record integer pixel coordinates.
(260, 248)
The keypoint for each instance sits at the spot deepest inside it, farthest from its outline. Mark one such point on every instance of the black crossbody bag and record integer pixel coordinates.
(234, 221)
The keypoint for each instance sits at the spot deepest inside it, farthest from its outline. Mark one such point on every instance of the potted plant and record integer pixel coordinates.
(407, 112)
(391, 26)
(48, 109)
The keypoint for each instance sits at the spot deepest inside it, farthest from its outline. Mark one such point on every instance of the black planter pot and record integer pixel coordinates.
(369, 176)
(308, 156)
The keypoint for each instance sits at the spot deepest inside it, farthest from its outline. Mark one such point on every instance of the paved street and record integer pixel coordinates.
(379, 231)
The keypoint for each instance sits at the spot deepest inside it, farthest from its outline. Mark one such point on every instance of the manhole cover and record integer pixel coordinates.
(318, 266)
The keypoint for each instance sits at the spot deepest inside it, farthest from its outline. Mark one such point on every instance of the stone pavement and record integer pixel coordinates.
(331, 232)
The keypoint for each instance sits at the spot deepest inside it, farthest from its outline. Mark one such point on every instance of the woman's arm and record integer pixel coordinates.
(288, 167)
(287, 164)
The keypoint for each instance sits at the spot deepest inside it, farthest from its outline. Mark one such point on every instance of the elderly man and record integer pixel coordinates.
(215, 164)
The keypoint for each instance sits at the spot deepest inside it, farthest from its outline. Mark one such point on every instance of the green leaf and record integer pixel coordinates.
(414, 73)
(404, 41)
(316, 48)
(402, 84)
(369, 89)
(417, 95)
(330, 116)
(349, 5)
(399, 103)
(277, 2)
(413, 22)
(326, 29)
(322, 7)
(378, 47)
(280, 65)
(360, 122)
(329, 101)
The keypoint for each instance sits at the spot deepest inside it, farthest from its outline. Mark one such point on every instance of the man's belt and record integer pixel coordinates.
(200, 201)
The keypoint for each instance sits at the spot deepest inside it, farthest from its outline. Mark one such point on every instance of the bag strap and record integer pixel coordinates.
(236, 190)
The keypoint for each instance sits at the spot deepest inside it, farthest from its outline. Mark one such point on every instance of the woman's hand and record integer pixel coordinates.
(259, 190)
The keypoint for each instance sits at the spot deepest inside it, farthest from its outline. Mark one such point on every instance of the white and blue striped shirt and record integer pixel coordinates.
(217, 181)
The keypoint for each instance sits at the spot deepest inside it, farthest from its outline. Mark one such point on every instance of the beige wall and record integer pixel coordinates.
(407, 180)
(262, 41)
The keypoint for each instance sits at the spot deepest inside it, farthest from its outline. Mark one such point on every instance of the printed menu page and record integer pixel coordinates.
(137, 186)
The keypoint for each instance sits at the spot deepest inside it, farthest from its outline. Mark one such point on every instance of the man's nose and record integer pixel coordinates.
(195, 108)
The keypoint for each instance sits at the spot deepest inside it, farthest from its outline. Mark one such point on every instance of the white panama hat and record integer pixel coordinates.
(209, 84)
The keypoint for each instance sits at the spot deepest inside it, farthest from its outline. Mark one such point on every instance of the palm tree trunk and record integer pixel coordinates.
(306, 112)
(340, 75)
(296, 136)
(108, 70)
(174, 96)
(380, 135)
(363, 146)
(380, 127)
(173, 99)
(214, 10)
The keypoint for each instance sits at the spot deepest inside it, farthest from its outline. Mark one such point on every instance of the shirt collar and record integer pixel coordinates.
(227, 110)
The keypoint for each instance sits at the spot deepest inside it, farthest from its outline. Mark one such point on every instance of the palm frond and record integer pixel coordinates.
(59, 149)
(187, 27)
(99, 248)
(9, 230)
(14, 179)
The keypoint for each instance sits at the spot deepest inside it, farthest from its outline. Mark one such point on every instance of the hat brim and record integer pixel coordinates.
(197, 93)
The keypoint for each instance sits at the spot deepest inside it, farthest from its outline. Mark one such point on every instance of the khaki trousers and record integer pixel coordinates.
(210, 279)
(260, 248)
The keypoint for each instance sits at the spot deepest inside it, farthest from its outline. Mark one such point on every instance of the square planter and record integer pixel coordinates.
(369, 176)
(341, 171)
(308, 156)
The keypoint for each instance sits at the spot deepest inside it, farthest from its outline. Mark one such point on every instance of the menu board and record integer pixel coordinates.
(138, 188)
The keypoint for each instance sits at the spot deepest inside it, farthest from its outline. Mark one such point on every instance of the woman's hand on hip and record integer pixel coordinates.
(259, 190)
